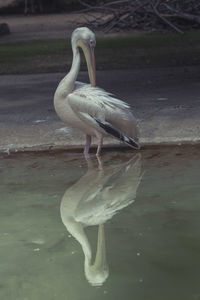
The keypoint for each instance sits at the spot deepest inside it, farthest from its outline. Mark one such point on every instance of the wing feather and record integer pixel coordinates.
(101, 95)
(102, 105)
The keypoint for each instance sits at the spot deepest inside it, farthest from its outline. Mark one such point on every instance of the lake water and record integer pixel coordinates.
(124, 227)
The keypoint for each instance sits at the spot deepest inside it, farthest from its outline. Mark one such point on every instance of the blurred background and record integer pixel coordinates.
(35, 34)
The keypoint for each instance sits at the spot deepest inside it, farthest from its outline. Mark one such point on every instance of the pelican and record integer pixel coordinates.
(89, 108)
(94, 199)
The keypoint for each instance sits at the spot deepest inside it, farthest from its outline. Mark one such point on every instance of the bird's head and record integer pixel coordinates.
(84, 38)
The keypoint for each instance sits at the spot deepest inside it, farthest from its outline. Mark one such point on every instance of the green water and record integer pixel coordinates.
(148, 208)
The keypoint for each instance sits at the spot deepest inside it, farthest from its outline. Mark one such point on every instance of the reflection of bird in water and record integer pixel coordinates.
(93, 200)
(88, 108)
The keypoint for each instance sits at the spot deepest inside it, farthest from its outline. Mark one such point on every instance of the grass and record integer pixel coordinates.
(126, 51)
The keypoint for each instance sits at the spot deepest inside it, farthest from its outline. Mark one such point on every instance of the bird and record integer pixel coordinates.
(94, 199)
(91, 109)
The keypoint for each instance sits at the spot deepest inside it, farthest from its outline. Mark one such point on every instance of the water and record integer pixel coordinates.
(124, 227)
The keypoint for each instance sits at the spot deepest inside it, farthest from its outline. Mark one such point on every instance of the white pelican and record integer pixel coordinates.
(88, 108)
(94, 199)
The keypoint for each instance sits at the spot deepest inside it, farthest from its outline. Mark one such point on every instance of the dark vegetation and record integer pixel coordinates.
(118, 52)
(39, 6)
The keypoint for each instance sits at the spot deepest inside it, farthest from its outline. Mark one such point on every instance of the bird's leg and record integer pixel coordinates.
(87, 145)
(100, 163)
(100, 144)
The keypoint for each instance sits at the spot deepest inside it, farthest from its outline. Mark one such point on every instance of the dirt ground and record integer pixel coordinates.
(40, 26)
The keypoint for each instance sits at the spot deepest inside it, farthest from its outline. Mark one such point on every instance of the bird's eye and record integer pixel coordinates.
(92, 43)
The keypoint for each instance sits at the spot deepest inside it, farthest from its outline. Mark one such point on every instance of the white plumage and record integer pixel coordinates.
(94, 199)
(88, 108)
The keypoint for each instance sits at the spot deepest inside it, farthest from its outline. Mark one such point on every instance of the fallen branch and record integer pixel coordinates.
(180, 14)
(144, 14)
(165, 20)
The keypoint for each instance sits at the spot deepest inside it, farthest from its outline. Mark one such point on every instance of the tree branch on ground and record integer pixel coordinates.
(151, 15)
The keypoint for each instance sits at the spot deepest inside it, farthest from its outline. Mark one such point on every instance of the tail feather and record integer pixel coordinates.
(107, 127)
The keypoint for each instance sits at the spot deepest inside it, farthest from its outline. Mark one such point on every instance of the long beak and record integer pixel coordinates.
(90, 59)
(100, 262)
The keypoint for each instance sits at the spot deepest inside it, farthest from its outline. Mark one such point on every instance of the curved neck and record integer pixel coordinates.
(73, 73)
(68, 81)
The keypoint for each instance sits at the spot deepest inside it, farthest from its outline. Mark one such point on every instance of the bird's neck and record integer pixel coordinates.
(68, 81)
(73, 73)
